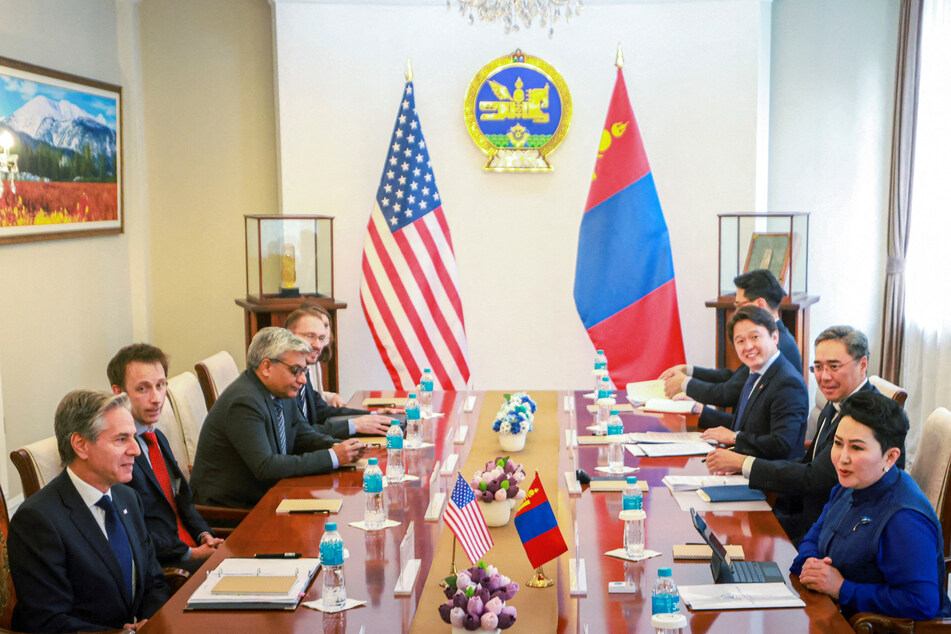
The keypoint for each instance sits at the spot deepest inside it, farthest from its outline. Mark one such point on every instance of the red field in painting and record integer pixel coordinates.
(38, 203)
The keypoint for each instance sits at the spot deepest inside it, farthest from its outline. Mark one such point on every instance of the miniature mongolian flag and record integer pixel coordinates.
(625, 290)
(537, 527)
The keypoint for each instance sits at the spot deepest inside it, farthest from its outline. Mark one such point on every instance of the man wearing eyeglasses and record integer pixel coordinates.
(803, 485)
(339, 422)
(721, 387)
(254, 434)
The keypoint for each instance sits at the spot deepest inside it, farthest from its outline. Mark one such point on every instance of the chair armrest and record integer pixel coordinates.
(870, 623)
(934, 626)
(175, 577)
(221, 519)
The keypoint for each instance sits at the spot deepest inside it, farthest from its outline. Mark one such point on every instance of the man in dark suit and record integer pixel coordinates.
(254, 434)
(803, 485)
(181, 536)
(770, 417)
(721, 387)
(310, 322)
(80, 554)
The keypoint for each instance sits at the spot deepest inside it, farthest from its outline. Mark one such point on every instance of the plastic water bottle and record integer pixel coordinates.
(605, 403)
(632, 499)
(633, 532)
(394, 452)
(374, 514)
(414, 427)
(334, 591)
(665, 598)
(600, 369)
(426, 393)
(616, 440)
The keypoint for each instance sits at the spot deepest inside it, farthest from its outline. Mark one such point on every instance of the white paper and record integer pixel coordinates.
(303, 569)
(739, 596)
(692, 483)
(690, 500)
(667, 406)
(676, 449)
(623, 471)
(406, 478)
(643, 391)
(662, 437)
(386, 524)
(318, 604)
(620, 553)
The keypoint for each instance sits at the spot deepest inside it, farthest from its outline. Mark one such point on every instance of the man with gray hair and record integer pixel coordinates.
(255, 435)
(80, 554)
(803, 485)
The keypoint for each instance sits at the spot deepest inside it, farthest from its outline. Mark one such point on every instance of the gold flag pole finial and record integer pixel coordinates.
(619, 62)
(409, 70)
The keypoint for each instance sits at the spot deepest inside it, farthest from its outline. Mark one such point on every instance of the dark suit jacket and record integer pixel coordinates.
(65, 573)
(803, 485)
(238, 457)
(334, 421)
(721, 387)
(159, 515)
(774, 421)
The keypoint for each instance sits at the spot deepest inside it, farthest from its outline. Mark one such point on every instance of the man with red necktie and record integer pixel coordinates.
(182, 537)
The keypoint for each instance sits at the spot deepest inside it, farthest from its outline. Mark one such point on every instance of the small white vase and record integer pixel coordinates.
(513, 442)
(495, 513)
(481, 630)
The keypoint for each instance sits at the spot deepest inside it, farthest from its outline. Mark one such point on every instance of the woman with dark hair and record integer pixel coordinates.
(877, 546)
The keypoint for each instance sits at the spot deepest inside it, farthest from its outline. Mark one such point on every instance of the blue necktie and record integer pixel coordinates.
(281, 433)
(744, 397)
(118, 539)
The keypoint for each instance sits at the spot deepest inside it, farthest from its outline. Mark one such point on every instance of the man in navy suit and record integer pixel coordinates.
(181, 536)
(803, 485)
(80, 555)
(721, 387)
(255, 435)
(770, 417)
(311, 322)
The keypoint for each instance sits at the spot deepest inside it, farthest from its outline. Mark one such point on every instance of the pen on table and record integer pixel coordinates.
(277, 556)
(309, 512)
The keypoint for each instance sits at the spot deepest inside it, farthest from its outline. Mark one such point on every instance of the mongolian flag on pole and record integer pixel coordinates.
(537, 527)
(625, 290)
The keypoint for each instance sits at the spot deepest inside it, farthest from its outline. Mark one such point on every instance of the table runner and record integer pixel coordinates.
(537, 608)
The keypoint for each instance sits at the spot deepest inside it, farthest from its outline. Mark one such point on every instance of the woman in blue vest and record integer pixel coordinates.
(877, 546)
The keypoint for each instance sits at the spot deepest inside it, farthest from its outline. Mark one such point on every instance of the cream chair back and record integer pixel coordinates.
(189, 405)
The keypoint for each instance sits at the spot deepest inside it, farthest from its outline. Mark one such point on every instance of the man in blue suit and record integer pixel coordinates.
(721, 387)
(80, 555)
(770, 417)
(803, 486)
(181, 536)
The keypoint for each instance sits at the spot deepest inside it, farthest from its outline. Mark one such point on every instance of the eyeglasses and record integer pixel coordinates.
(296, 370)
(831, 367)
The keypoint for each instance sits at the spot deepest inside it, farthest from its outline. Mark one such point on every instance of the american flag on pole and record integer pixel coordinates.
(464, 518)
(409, 288)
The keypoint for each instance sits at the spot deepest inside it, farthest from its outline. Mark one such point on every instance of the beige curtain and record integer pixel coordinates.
(902, 174)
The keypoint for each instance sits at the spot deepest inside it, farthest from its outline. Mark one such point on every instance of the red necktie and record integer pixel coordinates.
(161, 474)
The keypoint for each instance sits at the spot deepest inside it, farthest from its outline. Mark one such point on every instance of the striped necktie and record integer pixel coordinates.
(281, 433)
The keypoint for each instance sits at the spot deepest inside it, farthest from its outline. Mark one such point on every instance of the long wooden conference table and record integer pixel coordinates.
(373, 564)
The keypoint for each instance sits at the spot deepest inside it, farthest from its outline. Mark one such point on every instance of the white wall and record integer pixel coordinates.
(833, 78)
(693, 71)
(65, 305)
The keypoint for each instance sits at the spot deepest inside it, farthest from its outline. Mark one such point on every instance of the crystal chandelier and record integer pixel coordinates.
(511, 13)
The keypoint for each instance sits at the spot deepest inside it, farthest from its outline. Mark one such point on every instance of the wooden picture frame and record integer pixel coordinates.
(769, 251)
(62, 175)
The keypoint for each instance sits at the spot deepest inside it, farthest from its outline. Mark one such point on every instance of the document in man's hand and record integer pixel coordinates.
(675, 449)
(739, 596)
(254, 584)
(668, 406)
(692, 483)
(643, 391)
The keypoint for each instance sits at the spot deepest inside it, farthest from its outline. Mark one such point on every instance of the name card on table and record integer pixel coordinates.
(576, 571)
(409, 565)
(436, 497)
(470, 403)
(461, 432)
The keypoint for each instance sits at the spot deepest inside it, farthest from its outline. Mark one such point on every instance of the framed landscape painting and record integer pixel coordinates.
(60, 155)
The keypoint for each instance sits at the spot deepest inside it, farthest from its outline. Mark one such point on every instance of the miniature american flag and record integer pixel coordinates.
(409, 287)
(464, 518)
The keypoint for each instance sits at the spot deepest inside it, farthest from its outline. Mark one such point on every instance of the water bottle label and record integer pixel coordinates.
(600, 365)
(665, 604)
(412, 413)
(427, 386)
(632, 503)
(372, 482)
(604, 394)
(331, 553)
(615, 430)
(394, 442)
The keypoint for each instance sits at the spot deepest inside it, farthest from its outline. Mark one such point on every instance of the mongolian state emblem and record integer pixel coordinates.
(517, 110)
